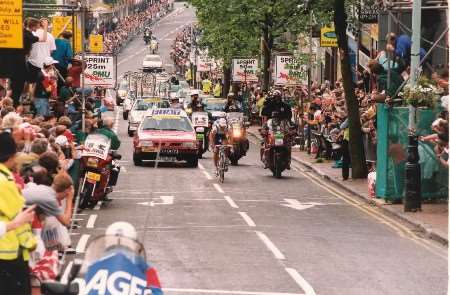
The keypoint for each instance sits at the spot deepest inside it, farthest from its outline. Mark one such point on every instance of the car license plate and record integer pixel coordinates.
(169, 152)
(93, 176)
(200, 136)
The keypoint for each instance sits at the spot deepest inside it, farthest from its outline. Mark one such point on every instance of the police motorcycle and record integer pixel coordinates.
(237, 136)
(276, 148)
(99, 170)
(114, 263)
(147, 36)
(202, 125)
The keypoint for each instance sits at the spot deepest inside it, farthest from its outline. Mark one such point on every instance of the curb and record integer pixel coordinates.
(424, 228)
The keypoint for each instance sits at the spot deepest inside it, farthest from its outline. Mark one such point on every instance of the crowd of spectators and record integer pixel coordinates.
(181, 50)
(116, 34)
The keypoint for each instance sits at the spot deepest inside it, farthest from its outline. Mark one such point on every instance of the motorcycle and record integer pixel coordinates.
(237, 136)
(202, 126)
(147, 37)
(276, 150)
(99, 170)
(153, 46)
(111, 263)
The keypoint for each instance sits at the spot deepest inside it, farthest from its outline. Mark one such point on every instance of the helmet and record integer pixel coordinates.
(222, 122)
(195, 92)
(276, 92)
(230, 94)
(123, 229)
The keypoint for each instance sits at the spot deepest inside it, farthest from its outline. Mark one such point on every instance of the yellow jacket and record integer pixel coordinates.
(217, 90)
(11, 203)
(188, 75)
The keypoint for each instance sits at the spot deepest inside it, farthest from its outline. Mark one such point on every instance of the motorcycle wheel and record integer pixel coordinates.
(277, 166)
(125, 115)
(85, 196)
(234, 161)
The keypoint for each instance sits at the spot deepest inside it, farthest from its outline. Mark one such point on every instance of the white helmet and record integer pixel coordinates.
(222, 122)
(122, 229)
(195, 92)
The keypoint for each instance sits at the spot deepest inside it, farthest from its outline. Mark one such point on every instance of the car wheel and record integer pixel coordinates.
(137, 160)
(125, 115)
(130, 132)
(193, 162)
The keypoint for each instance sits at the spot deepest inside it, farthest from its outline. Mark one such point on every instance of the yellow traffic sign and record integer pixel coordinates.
(11, 22)
(328, 37)
(96, 43)
(64, 23)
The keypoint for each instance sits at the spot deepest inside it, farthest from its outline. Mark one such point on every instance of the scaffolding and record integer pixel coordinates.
(399, 5)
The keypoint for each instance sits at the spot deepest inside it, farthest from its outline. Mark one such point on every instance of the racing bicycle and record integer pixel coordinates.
(222, 164)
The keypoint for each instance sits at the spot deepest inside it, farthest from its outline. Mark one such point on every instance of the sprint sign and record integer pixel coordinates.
(100, 70)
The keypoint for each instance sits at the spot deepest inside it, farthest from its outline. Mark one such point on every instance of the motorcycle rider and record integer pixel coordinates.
(231, 105)
(106, 130)
(153, 45)
(196, 105)
(275, 105)
(218, 136)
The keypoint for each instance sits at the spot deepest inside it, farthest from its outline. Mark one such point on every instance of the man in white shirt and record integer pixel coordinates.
(40, 50)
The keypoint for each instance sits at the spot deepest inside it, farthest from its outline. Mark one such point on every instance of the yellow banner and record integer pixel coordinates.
(11, 24)
(64, 23)
(328, 37)
(96, 43)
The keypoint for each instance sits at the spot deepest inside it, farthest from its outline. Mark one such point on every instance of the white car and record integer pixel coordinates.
(152, 62)
(140, 107)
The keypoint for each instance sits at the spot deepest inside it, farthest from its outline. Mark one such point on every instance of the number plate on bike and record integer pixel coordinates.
(200, 135)
(93, 176)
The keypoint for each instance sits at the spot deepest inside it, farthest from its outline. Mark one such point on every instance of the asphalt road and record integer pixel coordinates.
(255, 234)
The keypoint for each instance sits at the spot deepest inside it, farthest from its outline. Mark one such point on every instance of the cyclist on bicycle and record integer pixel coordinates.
(218, 136)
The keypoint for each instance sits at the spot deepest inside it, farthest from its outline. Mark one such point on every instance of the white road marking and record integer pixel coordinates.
(81, 246)
(98, 206)
(116, 122)
(247, 219)
(231, 202)
(123, 169)
(301, 281)
(201, 166)
(66, 273)
(218, 188)
(77, 219)
(271, 246)
(207, 175)
(91, 221)
(74, 234)
(80, 214)
(206, 291)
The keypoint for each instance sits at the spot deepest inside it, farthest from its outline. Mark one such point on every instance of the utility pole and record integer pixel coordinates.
(83, 55)
(412, 200)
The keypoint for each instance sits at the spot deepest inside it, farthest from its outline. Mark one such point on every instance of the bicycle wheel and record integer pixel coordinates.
(222, 166)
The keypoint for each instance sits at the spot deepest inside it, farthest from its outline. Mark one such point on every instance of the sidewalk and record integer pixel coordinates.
(432, 220)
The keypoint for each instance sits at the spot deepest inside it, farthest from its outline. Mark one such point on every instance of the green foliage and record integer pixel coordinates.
(38, 14)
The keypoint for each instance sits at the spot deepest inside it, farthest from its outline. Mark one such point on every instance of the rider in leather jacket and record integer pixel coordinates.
(276, 105)
(232, 105)
(196, 105)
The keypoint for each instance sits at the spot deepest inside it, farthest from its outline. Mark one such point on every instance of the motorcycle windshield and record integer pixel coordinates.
(107, 245)
(96, 145)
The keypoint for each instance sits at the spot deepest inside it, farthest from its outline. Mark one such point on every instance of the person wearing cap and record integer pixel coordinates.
(45, 87)
(16, 238)
(231, 105)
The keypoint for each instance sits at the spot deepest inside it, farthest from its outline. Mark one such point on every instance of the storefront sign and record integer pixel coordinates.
(100, 70)
(290, 70)
(328, 37)
(11, 23)
(96, 43)
(245, 69)
(368, 14)
(64, 23)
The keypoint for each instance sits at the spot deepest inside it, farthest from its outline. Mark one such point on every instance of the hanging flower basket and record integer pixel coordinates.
(423, 94)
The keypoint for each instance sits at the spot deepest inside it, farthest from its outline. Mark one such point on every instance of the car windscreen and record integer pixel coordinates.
(152, 58)
(123, 85)
(145, 104)
(167, 123)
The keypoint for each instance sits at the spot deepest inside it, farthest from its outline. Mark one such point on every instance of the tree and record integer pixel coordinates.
(358, 160)
(39, 14)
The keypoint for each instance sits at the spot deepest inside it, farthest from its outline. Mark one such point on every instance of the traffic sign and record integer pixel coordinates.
(328, 37)
(11, 22)
(96, 43)
(64, 23)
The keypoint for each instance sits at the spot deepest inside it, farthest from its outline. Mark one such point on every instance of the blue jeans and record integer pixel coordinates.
(42, 107)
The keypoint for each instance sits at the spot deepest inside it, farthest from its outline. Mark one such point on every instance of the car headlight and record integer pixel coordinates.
(189, 144)
(92, 162)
